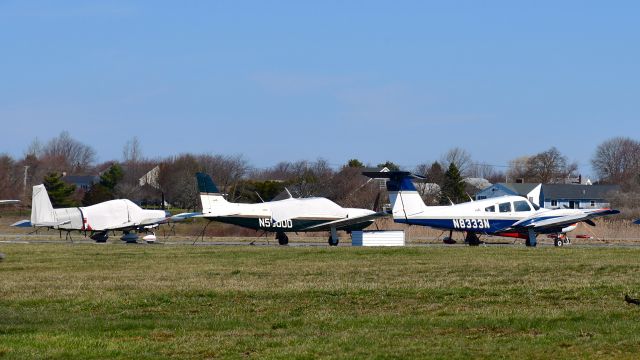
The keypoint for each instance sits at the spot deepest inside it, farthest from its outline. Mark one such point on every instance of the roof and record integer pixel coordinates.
(81, 179)
(478, 183)
(574, 191)
(520, 188)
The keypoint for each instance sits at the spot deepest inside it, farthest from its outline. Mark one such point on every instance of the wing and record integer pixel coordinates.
(153, 222)
(342, 223)
(545, 223)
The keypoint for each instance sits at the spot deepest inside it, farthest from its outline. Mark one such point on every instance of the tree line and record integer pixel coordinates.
(615, 161)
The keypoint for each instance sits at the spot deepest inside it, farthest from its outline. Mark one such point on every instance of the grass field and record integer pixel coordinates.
(91, 301)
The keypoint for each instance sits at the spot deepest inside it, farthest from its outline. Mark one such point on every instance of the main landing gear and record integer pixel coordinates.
(472, 239)
(100, 237)
(531, 240)
(333, 238)
(282, 238)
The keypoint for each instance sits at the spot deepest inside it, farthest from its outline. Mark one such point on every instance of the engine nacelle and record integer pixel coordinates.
(569, 228)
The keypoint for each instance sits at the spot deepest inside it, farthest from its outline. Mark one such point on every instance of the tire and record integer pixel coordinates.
(283, 239)
(558, 242)
(332, 242)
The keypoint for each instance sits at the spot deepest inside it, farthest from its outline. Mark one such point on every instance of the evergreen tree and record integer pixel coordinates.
(453, 187)
(389, 165)
(355, 163)
(59, 192)
(110, 178)
(435, 174)
(105, 189)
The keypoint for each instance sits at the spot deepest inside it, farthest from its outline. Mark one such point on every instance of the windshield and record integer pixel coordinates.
(522, 206)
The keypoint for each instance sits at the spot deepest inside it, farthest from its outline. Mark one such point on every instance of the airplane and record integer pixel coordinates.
(4, 202)
(509, 216)
(283, 216)
(97, 220)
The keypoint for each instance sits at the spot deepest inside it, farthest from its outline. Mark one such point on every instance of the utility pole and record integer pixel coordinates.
(24, 186)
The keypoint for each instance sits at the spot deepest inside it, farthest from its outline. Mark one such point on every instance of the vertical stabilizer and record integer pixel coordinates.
(210, 196)
(405, 200)
(41, 208)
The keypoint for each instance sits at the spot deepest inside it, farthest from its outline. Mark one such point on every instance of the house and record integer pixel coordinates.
(83, 182)
(573, 196)
(151, 178)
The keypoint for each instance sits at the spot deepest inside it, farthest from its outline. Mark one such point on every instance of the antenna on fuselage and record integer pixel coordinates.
(259, 197)
(469, 196)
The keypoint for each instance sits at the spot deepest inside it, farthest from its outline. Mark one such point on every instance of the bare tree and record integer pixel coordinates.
(132, 151)
(69, 153)
(458, 156)
(617, 161)
(549, 166)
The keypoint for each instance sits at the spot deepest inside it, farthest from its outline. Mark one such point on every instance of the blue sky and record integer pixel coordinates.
(289, 80)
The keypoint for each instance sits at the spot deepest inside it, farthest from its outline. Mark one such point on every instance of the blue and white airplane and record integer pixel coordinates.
(509, 216)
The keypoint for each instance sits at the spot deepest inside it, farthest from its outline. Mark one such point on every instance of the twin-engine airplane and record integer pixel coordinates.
(97, 220)
(282, 216)
(510, 216)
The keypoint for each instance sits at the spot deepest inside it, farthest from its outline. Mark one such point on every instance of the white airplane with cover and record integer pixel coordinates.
(283, 216)
(509, 216)
(96, 220)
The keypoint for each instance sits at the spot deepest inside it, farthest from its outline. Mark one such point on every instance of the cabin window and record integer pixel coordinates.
(490, 209)
(481, 197)
(593, 203)
(521, 206)
(554, 202)
(505, 207)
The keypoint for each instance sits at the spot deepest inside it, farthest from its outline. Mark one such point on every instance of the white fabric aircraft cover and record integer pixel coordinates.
(306, 208)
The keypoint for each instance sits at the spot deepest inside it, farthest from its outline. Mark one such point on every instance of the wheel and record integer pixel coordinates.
(283, 239)
(333, 242)
(567, 241)
(448, 240)
(558, 242)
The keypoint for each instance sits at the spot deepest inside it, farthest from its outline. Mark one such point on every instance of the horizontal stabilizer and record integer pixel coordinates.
(51, 223)
(22, 223)
(392, 175)
(9, 201)
(183, 216)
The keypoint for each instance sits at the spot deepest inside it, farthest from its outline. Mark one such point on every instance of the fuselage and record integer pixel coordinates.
(288, 215)
(106, 215)
(487, 216)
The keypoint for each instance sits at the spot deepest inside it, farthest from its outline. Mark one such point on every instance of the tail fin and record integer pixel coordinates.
(210, 197)
(405, 200)
(41, 208)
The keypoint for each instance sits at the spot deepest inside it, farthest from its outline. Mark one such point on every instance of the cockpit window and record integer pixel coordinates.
(490, 209)
(521, 206)
(505, 207)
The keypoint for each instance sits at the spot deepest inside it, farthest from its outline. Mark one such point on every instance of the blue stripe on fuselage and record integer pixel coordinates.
(535, 220)
(495, 225)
